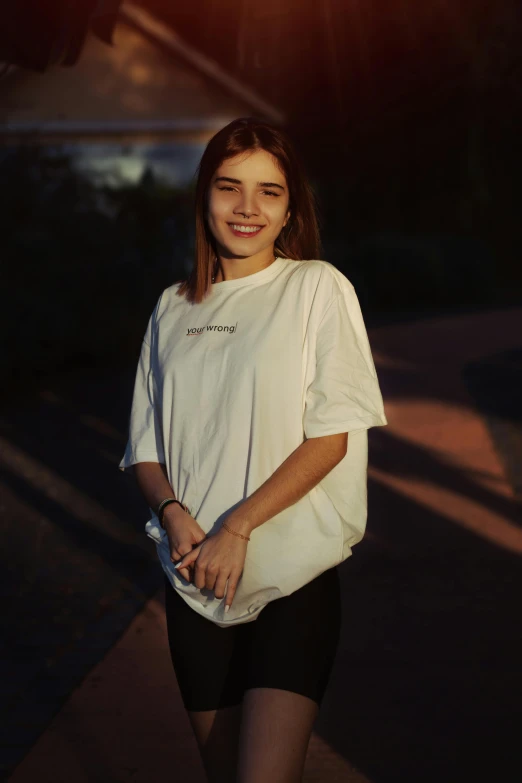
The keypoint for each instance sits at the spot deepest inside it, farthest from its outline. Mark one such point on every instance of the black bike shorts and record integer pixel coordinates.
(290, 645)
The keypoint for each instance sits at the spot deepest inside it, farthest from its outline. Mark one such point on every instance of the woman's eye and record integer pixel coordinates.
(267, 192)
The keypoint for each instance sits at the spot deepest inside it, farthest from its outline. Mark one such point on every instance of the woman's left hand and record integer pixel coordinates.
(219, 558)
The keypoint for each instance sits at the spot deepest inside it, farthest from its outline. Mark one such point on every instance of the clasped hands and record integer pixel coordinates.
(219, 559)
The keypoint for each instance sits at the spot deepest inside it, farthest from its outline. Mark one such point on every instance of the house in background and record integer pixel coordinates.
(96, 205)
(149, 103)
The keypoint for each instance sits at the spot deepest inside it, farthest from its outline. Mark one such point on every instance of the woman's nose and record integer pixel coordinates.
(247, 205)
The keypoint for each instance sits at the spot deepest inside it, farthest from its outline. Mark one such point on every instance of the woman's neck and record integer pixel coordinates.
(235, 268)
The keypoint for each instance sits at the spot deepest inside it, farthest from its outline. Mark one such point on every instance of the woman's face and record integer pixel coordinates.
(247, 204)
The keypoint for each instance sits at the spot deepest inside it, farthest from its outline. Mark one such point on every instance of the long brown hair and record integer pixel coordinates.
(298, 240)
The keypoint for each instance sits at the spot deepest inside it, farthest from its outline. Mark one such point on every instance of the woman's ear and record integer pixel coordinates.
(287, 218)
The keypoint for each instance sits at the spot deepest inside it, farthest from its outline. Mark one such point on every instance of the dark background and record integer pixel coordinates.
(409, 117)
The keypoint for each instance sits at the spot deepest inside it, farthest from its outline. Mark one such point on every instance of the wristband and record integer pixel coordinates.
(163, 505)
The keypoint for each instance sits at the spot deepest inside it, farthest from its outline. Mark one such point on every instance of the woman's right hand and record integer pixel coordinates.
(183, 533)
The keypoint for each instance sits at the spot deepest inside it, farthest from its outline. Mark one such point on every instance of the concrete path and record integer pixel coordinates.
(426, 685)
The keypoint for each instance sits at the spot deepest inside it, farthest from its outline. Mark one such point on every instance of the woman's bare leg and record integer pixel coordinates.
(217, 735)
(275, 732)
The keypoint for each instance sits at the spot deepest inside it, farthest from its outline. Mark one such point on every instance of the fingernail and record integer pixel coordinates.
(227, 607)
(177, 564)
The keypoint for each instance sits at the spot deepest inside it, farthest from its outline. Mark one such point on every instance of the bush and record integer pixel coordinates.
(83, 265)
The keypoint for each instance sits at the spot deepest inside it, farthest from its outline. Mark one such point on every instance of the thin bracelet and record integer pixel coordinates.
(234, 533)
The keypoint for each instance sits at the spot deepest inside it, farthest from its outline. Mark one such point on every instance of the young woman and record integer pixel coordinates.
(253, 374)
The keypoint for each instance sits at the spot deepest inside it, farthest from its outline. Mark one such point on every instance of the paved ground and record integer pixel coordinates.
(427, 683)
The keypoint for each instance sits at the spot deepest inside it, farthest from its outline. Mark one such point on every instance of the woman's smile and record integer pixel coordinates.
(244, 231)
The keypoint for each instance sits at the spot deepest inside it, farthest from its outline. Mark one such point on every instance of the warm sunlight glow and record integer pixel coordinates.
(457, 472)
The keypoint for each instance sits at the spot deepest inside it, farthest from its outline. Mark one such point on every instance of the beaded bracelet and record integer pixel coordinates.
(234, 533)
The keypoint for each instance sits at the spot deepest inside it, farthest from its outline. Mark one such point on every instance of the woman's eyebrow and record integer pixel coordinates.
(270, 185)
(228, 179)
(238, 182)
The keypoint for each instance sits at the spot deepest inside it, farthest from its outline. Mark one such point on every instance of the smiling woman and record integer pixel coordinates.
(254, 393)
(253, 201)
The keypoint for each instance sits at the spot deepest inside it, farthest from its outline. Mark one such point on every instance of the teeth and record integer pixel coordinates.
(247, 229)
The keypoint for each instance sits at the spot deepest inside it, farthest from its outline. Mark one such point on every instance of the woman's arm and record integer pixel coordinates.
(154, 484)
(297, 475)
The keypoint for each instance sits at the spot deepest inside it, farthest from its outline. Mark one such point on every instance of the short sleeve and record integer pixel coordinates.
(145, 440)
(344, 394)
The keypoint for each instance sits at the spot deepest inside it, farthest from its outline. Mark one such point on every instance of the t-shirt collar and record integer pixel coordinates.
(254, 279)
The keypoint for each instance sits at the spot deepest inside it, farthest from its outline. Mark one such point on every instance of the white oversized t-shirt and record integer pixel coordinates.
(228, 388)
